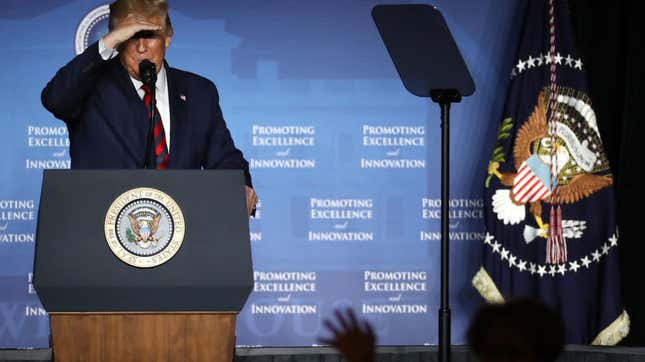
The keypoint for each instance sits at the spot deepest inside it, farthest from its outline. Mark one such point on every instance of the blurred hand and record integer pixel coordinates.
(251, 200)
(126, 28)
(354, 339)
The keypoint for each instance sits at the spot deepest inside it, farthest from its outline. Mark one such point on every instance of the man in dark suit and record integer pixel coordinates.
(100, 96)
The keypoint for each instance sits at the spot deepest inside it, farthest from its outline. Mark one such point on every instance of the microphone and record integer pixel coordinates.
(148, 75)
(148, 72)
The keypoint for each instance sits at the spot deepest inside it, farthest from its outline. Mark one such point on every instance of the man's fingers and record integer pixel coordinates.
(331, 327)
(249, 206)
(341, 319)
(131, 18)
(251, 199)
(148, 25)
(137, 27)
(134, 21)
(352, 318)
(134, 25)
(369, 330)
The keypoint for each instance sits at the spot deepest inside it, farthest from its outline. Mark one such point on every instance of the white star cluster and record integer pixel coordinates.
(524, 65)
(552, 270)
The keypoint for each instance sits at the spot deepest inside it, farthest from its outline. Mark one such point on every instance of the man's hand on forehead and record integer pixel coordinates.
(131, 25)
(140, 19)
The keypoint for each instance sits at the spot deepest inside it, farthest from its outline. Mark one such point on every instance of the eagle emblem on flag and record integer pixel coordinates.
(577, 162)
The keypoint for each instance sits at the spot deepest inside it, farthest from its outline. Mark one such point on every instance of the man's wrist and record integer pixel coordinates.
(109, 41)
(106, 48)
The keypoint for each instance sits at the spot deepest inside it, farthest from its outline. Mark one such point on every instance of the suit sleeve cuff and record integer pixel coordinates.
(106, 53)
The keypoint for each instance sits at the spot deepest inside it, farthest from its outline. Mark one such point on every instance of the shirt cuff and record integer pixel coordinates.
(106, 53)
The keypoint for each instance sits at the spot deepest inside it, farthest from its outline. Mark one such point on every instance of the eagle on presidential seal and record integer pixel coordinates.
(580, 163)
(144, 229)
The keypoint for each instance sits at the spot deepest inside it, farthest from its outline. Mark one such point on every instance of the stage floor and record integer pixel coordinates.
(573, 353)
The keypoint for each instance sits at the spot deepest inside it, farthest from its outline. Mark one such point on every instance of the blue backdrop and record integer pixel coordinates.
(345, 161)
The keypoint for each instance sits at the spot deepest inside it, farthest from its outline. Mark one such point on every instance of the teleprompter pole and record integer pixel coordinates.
(444, 97)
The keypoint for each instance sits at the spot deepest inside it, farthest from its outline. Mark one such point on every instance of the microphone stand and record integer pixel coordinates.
(150, 139)
(148, 74)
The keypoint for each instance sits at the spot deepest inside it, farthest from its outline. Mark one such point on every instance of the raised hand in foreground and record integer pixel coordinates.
(355, 339)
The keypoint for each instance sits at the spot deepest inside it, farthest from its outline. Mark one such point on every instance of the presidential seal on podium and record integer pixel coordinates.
(144, 227)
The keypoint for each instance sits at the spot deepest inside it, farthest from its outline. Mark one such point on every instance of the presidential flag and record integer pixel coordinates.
(549, 198)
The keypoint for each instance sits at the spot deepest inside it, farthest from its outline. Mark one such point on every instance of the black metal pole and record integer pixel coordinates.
(444, 97)
(148, 75)
(444, 310)
(150, 139)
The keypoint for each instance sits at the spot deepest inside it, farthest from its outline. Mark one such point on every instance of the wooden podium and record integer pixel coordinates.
(103, 305)
(143, 337)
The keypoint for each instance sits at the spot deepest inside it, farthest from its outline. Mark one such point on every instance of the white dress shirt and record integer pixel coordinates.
(161, 90)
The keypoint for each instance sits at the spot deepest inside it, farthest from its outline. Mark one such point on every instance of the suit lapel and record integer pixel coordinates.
(130, 125)
(177, 103)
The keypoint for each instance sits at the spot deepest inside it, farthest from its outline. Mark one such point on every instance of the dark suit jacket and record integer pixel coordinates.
(108, 122)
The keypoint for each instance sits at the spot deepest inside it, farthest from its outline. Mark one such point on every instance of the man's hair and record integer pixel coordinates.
(147, 8)
(520, 330)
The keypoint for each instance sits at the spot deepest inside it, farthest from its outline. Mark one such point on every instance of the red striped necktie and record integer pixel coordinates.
(160, 149)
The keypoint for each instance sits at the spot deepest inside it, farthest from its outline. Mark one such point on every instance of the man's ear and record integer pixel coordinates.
(168, 41)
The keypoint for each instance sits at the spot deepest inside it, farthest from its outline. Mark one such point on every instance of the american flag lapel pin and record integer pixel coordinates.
(182, 97)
